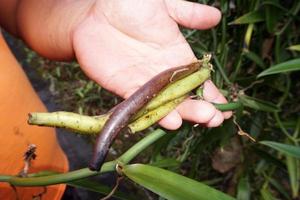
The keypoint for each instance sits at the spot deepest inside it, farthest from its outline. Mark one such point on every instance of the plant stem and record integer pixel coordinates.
(214, 39)
(286, 91)
(283, 129)
(297, 129)
(85, 172)
(220, 68)
(228, 106)
(295, 9)
(140, 146)
(58, 178)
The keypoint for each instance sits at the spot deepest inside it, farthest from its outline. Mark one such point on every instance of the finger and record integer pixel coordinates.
(172, 121)
(217, 120)
(212, 94)
(193, 15)
(197, 111)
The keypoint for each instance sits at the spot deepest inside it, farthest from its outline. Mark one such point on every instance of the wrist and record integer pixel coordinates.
(46, 26)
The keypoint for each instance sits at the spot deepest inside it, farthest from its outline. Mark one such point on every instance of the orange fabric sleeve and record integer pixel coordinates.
(17, 99)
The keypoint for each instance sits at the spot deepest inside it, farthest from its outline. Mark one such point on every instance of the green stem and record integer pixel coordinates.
(58, 178)
(141, 145)
(283, 129)
(214, 39)
(277, 49)
(228, 106)
(85, 172)
(297, 129)
(190, 33)
(220, 68)
(286, 91)
(238, 66)
(294, 11)
(224, 26)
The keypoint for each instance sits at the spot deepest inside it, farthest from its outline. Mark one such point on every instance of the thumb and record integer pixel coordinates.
(193, 15)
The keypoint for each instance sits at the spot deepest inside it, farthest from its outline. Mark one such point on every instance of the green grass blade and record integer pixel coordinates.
(286, 149)
(171, 185)
(288, 66)
(270, 159)
(249, 18)
(275, 4)
(243, 190)
(293, 171)
(255, 58)
(258, 104)
(280, 188)
(273, 14)
(166, 162)
(266, 194)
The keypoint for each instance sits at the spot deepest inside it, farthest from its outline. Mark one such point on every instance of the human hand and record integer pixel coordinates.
(123, 44)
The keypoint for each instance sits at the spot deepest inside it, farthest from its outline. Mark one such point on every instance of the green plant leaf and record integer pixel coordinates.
(288, 66)
(279, 187)
(286, 149)
(273, 14)
(171, 185)
(274, 4)
(294, 47)
(97, 187)
(258, 104)
(249, 18)
(166, 162)
(255, 58)
(293, 171)
(270, 159)
(243, 190)
(266, 194)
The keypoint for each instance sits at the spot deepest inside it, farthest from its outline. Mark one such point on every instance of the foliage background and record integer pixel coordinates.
(253, 36)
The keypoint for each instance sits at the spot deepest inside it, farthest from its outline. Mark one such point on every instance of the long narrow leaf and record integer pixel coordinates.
(249, 18)
(288, 66)
(170, 185)
(287, 149)
(243, 190)
(166, 162)
(275, 4)
(273, 14)
(293, 170)
(294, 47)
(266, 194)
(255, 58)
(270, 159)
(258, 104)
(280, 188)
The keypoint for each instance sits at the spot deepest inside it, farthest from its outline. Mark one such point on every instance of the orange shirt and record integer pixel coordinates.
(17, 99)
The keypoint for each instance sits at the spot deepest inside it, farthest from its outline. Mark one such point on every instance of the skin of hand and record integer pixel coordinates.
(123, 44)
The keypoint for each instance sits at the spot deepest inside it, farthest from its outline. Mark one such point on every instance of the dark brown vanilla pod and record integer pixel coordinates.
(121, 116)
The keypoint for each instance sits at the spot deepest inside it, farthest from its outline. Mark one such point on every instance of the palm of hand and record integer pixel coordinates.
(123, 44)
(122, 51)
